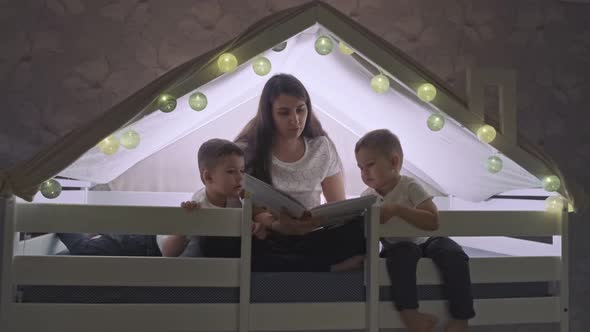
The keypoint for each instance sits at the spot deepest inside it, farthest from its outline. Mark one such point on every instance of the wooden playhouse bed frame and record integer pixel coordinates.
(32, 265)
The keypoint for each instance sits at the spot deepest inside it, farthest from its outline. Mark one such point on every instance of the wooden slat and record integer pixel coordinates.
(245, 267)
(263, 316)
(63, 218)
(8, 244)
(209, 272)
(372, 268)
(564, 287)
(483, 223)
(488, 311)
(490, 270)
(307, 316)
(125, 271)
(25, 317)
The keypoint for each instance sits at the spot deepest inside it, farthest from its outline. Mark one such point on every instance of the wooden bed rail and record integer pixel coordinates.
(74, 218)
(483, 223)
(223, 272)
(371, 315)
(52, 218)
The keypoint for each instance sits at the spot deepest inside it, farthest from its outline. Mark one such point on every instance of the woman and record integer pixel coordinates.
(286, 146)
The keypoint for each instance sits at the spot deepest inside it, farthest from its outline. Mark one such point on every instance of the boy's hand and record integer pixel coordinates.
(388, 211)
(259, 230)
(190, 205)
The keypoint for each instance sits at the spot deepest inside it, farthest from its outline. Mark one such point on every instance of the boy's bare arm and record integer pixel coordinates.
(424, 216)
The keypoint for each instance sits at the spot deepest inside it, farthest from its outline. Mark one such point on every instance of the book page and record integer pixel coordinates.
(346, 209)
(273, 199)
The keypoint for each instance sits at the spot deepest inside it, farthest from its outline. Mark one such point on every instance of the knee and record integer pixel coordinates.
(447, 249)
(403, 251)
(452, 257)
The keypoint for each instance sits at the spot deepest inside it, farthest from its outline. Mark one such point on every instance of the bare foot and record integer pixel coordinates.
(456, 325)
(418, 321)
(349, 264)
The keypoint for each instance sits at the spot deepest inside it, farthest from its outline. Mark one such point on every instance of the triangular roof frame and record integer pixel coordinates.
(24, 179)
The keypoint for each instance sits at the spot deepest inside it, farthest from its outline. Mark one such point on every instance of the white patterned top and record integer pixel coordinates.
(303, 178)
(408, 192)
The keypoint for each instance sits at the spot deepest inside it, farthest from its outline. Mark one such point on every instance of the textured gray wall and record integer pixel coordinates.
(63, 62)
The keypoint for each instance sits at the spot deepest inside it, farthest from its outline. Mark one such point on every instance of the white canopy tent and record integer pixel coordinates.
(449, 162)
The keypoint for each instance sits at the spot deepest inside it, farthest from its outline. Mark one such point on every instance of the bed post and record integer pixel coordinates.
(245, 263)
(372, 269)
(7, 214)
(564, 280)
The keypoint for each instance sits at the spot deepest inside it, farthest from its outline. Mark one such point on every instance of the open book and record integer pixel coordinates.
(275, 200)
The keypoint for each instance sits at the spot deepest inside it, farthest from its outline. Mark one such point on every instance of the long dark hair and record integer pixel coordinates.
(258, 135)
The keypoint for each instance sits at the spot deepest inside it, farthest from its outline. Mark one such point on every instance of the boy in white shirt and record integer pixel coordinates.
(379, 156)
(221, 166)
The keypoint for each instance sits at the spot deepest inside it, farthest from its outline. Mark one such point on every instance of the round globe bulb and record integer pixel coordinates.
(166, 103)
(280, 47)
(435, 122)
(380, 83)
(197, 101)
(551, 183)
(554, 204)
(426, 92)
(50, 189)
(227, 63)
(261, 66)
(344, 49)
(130, 139)
(109, 145)
(486, 133)
(494, 164)
(324, 45)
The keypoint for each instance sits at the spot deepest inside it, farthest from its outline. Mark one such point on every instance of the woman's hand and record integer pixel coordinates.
(292, 226)
(285, 224)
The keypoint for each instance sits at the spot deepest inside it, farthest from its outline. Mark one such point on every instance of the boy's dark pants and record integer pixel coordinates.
(110, 244)
(452, 262)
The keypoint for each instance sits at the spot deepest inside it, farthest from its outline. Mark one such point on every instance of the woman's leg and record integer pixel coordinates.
(82, 244)
(273, 255)
(332, 245)
(453, 264)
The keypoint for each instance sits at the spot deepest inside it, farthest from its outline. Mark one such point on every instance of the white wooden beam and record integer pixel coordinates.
(126, 271)
(7, 247)
(489, 311)
(25, 317)
(489, 270)
(505, 80)
(62, 218)
(483, 223)
(565, 273)
(244, 268)
(263, 316)
(372, 269)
